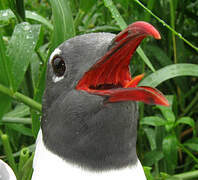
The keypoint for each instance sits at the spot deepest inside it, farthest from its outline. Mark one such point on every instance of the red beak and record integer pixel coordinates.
(110, 75)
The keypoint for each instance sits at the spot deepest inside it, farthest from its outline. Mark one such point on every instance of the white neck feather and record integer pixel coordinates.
(49, 166)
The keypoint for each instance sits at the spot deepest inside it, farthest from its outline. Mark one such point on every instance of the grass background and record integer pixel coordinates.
(29, 31)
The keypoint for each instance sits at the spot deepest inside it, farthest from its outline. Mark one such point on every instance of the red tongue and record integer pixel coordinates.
(111, 72)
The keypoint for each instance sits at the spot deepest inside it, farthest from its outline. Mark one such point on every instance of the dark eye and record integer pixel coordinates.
(58, 66)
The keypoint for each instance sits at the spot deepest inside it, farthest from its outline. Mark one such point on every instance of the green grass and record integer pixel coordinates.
(167, 137)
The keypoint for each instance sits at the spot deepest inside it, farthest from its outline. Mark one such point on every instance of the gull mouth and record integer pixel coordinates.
(110, 75)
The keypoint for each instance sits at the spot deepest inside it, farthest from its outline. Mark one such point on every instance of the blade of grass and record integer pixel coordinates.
(8, 152)
(24, 155)
(4, 73)
(17, 154)
(166, 25)
(3, 4)
(38, 18)
(21, 98)
(7, 14)
(5, 101)
(115, 14)
(150, 5)
(27, 168)
(62, 21)
(145, 58)
(150, 133)
(187, 120)
(20, 110)
(159, 54)
(195, 159)
(78, 18)
(147, 171)
(105, 28)
(20, 128)
(192, 144)
(20, 8)
(122, 24)
(186, 175)
(189, 107)
(16, 120)
(169, 146)
(168, 72)
(84, 8)
(38, 94)
(12, 6)
(87, 20)
(172, 19)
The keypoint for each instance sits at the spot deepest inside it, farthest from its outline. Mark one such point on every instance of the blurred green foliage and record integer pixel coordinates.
(30, 30)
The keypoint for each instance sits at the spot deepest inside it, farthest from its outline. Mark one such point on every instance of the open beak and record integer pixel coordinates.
(110, 75)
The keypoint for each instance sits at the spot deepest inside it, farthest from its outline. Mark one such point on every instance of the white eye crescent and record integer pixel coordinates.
(58, 65)
(56, 52)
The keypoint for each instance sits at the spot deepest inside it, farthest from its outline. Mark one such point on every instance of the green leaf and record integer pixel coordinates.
(20, 110)
(35, 122)
(168, 114)
(115, 13)
(27, 168)
(123, 3)
(4, 72)
(20, 128)
(7, 14)
(4, 4)
(17, 115)
(8, 152)
(24, 155)
(105, 28)
(20, 51)
(38, 94)
(191, 175)
(159, 54)
(192, 144)
(20, 8)
(5, 101)
(16, 120)
(150, 133)
(145, 58)
(86, 5)
(39, 90)
(169, 146)
(38, 18)
(150, 5)
(62, 21)
(13, 5)
(168, 72)
(122, 24)
(153, 121)
(21, 98)
(186, 120)
(31, 149)
(147, 171)
(152, 157)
